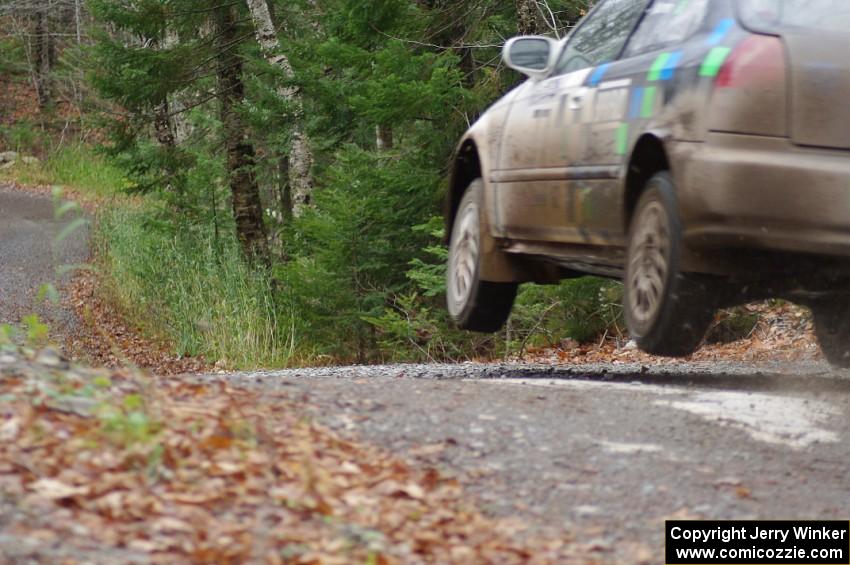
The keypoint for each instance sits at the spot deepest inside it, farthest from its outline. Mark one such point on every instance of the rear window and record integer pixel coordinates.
(777, 15)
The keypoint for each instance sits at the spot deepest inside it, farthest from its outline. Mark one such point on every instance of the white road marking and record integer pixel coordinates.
(586, 385)
(770, 418)
(630, 448)
(784, 420)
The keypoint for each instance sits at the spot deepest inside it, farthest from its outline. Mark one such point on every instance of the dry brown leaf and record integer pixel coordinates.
(427, 450)
(56, 490)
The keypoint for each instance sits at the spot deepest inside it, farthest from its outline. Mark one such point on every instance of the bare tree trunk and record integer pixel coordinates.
(284, 188)
(529, 21)
(301, 155)
(44, 56)
(162, 126)
(384, 138)
(247, 207)
(452, 27)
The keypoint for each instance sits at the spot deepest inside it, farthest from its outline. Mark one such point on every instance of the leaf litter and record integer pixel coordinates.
(99, 461)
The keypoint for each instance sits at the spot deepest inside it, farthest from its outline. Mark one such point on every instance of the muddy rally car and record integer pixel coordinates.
(697, 149)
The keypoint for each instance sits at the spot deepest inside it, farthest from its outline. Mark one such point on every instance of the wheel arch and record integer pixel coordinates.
(648, 157)
(465, 169)
(496, 265)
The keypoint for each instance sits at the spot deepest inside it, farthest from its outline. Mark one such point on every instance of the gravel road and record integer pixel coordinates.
(30, 255)
(604, 454)
(601, 454)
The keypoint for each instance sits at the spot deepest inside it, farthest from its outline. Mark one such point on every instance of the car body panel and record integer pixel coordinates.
(742, 190)
(820, 89)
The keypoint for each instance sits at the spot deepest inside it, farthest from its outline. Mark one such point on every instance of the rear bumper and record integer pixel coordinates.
(763, 193)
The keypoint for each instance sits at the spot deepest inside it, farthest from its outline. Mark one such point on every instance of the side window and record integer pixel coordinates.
(600, 38)
(669, 22)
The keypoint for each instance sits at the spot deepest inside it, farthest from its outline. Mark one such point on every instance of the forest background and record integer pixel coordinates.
(272, 172)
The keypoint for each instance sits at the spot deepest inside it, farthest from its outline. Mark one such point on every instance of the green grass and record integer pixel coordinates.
(176, 283)
(77, 167)
(200, 296)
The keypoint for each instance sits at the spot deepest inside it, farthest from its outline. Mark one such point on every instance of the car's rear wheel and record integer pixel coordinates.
(832, 330)
(667, 311)
(473, 304)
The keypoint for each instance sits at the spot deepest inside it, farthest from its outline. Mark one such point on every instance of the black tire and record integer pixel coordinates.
(475, 305)
(667, 311)
(832, 329)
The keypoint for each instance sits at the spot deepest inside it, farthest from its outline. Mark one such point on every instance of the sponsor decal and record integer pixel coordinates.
(670, 66)
(657, 67)
(636, 103)
(714, 61)
(597, 75)
(664, 67)
(721, 31)
(648, 105)
(622, 139)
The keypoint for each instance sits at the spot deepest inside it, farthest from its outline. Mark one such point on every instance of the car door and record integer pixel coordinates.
(627, 97)
(529, 204)
(536, 178)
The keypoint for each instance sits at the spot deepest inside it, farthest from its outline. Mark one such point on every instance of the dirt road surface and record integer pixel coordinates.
(600, 454)
(604, 454)
(30, 255)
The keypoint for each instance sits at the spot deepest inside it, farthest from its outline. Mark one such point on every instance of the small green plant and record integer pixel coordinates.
(128, 423)
(128, 428)
(7, 335)
(36, 332)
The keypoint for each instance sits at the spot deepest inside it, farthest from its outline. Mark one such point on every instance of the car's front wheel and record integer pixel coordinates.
(667, 311)
(833, 331)
(473, 304)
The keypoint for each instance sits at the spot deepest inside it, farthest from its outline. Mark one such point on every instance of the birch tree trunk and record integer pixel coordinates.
(384, 138)
(177, 119)
(165, 123)
(78, 21)
(301, 156)
(247, 207)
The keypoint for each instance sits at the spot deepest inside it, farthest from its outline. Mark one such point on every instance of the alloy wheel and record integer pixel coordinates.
(464, 256)
(649, 262)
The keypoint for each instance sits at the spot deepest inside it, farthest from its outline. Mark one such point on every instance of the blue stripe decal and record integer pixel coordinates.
(635, 103)
(597, 75)
(720, 32)
(670, 66)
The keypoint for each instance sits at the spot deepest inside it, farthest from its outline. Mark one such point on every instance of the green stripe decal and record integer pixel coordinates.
(714, 61)
(622, 139)
(658, 67)
(647, 107)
